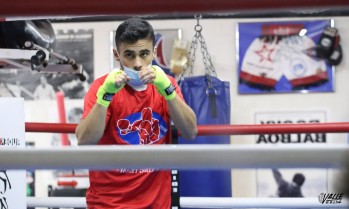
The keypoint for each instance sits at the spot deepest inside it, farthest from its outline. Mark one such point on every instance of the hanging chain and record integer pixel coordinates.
(209, 68)
(193, 47)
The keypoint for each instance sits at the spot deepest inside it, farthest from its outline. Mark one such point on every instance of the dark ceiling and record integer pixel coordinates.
(237, 15)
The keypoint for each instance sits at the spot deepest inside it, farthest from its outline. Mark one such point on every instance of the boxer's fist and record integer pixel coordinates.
(163, 83)
(114, 82)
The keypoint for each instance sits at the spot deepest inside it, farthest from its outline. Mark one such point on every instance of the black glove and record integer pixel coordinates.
(336, 56)
(329, 40)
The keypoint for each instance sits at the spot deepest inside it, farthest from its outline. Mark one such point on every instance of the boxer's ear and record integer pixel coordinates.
(116, 55)
(155, 52)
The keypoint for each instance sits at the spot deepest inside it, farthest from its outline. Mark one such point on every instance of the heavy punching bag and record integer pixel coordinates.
(211, 104)
(209, 97)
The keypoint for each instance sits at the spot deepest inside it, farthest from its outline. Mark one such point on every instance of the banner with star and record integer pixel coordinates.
(279, 57)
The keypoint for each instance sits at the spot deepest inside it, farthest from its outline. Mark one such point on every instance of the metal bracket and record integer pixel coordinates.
(37, 58)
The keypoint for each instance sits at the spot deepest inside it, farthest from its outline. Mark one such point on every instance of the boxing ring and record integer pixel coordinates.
(176, 157)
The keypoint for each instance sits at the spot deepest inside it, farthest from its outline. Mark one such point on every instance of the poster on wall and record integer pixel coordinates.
(77, 44)
(280, 57)
(164, 40)
(12, 135)
(276, 182)
(32, 85)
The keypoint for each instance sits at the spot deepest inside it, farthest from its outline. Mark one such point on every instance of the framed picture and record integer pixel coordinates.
(33, 85)
(280, 57)
(76, 44)
(164, 39)
(307, 182)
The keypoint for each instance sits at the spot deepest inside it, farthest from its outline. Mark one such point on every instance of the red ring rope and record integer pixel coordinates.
(206, 130)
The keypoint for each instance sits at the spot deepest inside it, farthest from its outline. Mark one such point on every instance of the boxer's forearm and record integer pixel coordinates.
(183, 117)
(90, 130)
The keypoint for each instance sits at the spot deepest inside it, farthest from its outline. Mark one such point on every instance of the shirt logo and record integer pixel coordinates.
(142, 128)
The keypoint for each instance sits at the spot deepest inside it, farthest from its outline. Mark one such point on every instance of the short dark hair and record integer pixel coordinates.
(132, 30)
(299, 179)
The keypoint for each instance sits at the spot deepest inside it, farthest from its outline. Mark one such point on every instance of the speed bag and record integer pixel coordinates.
(209, 98)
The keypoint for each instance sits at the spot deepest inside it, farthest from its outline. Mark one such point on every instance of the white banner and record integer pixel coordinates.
(291, 118)
(282, 183)
(12, 133)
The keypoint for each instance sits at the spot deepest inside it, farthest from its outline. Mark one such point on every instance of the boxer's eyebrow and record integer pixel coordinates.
(128, 51)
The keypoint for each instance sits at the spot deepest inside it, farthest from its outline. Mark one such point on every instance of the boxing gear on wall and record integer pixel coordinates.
(328, 46)
(336, 56)
(258, 64)
(269, 58)
(328, 40)
(300, 69)
(179, 56)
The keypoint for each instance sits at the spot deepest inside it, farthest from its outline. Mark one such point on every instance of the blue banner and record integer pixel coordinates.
(280, 57)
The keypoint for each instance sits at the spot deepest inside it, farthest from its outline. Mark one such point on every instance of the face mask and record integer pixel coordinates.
(134, 77)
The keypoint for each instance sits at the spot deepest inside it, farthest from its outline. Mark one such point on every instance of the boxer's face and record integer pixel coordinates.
(136, 55)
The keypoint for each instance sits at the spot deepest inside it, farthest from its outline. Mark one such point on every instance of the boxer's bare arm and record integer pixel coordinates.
(183, 117)
(90, 130)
